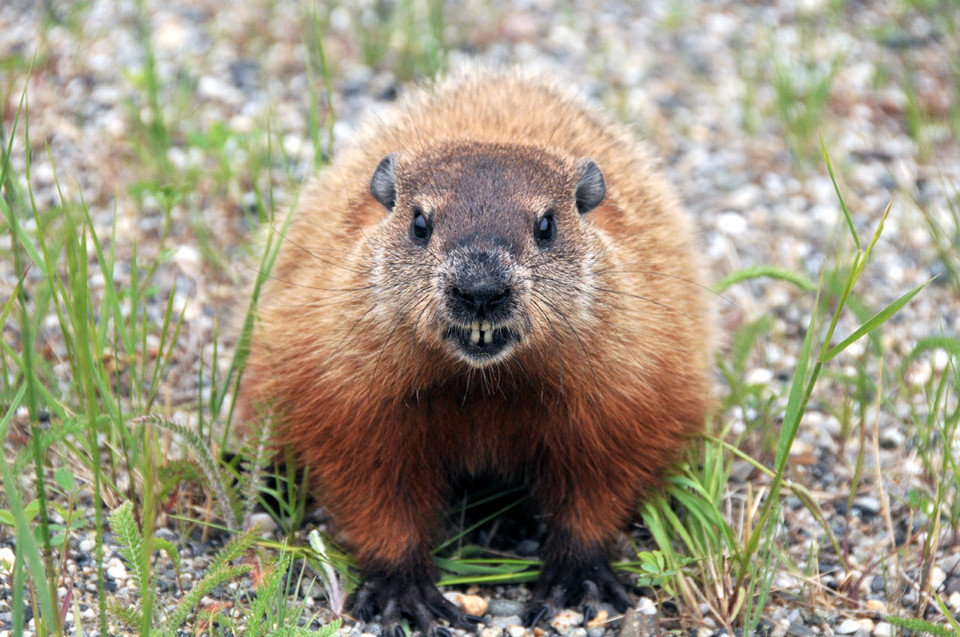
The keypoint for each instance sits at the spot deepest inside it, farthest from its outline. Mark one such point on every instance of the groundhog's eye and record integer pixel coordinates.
(421, 228)
(545, 229)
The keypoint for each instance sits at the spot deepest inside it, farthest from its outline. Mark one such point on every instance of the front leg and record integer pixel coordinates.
(586, 503)
(387, 507)
(575, 573)
(406, 589)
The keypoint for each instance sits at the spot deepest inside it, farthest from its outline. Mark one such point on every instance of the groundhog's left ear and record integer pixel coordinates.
(590, 186)
(383, 184)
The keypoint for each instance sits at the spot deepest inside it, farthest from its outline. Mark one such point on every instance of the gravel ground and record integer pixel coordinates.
(699, 80)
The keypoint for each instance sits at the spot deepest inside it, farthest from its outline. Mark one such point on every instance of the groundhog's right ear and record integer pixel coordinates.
(591, 188)
(383, 185)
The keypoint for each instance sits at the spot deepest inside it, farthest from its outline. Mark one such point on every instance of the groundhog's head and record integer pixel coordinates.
(486, 248)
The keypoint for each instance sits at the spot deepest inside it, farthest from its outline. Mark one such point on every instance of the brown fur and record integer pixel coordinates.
(589, 410)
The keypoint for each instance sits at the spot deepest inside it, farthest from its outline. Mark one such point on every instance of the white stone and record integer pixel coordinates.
(646, 606)
(731, 223)
(117, 570)
(954, 602)
(759, 376)
(848, 627)
(937, 577)
(516, 631)
(883, 629)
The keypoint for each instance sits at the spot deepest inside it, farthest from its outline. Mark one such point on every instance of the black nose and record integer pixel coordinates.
(483, 297)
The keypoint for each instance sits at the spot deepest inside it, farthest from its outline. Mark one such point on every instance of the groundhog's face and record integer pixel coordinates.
(485, 249)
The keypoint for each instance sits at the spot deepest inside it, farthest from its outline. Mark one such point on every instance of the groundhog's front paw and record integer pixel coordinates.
(397, 595)
(580, 578)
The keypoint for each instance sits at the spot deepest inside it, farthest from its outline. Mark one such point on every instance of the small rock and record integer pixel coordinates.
(87, 545)
(883, 629)
(866, 624)
(954, 602)
(564, 621)
(491, 631)
(577, 631)
(876, 605)
(847, 627)
(731, 223)
(264, 521)
(953, 584)
(599, 619)
(373, 629)
(799, 629)
(646, 606)
(502, 607)
(869, 506)
(116, 570)
(507, 621)
(472, 605)
(7, 558)
(910, 599)
(951, 564)
(516, 630)
(596, 631)
(937, 578)
(635, 624)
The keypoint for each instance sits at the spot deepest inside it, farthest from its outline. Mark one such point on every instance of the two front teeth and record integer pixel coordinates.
(479, 331)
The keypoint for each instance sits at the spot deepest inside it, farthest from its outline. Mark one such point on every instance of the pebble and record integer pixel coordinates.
(848, 627)
(646, 606)
(7, 558)
(937, 577)
(470, 604)
(596, 631)
(500, 607)
(491, 631)
(116, 570)
(599, 619)
(516, 630)
(953, 601)
(564, 621)
(506, 621)
(869, 506)
(882, 629)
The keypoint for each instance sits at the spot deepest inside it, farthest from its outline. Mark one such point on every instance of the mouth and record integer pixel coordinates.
(481, 342)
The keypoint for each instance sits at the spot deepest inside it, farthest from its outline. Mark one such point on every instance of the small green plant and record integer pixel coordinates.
(138, 552)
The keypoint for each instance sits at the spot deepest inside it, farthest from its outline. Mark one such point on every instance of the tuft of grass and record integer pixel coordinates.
(731, 569)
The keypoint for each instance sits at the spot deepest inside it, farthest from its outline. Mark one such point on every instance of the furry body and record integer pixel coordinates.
(410, 336)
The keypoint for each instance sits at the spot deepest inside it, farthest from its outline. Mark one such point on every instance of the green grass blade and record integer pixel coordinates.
(873, 323)
(764, 271)
(26, 545)
(836, 188)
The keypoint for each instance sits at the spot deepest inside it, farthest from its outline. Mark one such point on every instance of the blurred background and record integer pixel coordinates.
(174, 130)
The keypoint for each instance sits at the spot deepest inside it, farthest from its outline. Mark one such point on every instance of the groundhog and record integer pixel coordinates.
(493, 279)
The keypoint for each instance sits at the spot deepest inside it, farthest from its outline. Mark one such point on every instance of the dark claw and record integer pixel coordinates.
(534, 615)
(589, 612)
(407, 592)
